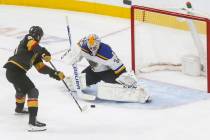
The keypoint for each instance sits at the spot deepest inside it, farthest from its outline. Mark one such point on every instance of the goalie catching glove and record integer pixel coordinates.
(58, 75)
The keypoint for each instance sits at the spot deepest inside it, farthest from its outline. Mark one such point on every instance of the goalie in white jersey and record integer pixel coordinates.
(104, 65)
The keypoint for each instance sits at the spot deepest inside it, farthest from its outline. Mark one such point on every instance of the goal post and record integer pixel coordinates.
(172, 20)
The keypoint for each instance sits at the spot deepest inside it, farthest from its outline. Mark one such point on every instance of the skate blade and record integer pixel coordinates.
(20, 114)
(36, 129)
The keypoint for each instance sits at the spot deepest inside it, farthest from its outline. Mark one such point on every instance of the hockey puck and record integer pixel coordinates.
(92, 106)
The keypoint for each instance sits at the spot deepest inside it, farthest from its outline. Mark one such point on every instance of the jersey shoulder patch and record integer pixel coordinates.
(105, 52)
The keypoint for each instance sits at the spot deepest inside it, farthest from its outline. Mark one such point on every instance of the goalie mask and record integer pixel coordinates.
(36, 32)
(93, 43)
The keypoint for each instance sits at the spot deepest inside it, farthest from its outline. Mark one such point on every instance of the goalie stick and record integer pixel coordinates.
(80, 94)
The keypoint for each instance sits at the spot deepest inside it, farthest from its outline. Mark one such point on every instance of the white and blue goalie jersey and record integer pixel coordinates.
(105, 59)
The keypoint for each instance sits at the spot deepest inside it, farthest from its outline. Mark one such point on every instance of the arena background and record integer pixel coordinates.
(112, 8)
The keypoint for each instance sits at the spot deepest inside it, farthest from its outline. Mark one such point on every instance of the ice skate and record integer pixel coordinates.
(23, 111)
(37, 126)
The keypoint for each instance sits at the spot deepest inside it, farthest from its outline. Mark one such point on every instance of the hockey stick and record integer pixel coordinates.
(76, 75)
(70, 91)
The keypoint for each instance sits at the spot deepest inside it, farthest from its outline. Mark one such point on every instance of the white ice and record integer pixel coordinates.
(175, 112)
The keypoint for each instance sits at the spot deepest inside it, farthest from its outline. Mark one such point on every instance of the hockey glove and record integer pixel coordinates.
(46, 56)
(58, 75)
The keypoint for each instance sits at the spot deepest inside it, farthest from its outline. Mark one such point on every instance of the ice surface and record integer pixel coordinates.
(175, 112)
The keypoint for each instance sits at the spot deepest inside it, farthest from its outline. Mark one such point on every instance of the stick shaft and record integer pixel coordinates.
(70, 91)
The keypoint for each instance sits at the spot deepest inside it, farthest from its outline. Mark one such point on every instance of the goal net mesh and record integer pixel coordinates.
(162, 38)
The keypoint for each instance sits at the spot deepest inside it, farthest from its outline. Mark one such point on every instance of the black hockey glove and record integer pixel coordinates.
(46, 56)
(58, 75)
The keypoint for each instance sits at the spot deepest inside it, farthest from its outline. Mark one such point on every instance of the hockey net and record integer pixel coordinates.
(160, 39)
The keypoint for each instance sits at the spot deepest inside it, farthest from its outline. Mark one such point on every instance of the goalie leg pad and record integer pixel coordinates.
(82, 78)
(71, 83)
(117, 92)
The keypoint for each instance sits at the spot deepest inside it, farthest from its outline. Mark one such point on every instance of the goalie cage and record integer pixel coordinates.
(174, 42)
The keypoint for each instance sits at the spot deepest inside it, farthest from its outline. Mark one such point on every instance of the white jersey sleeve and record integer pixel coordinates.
(115, 64)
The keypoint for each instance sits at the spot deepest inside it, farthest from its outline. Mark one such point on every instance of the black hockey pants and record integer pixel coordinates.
(22, 84)
(95, 77)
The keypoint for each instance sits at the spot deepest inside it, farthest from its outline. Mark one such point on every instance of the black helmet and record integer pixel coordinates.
(36, 32)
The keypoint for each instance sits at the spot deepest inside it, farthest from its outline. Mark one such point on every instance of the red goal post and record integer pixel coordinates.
(144, 9)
